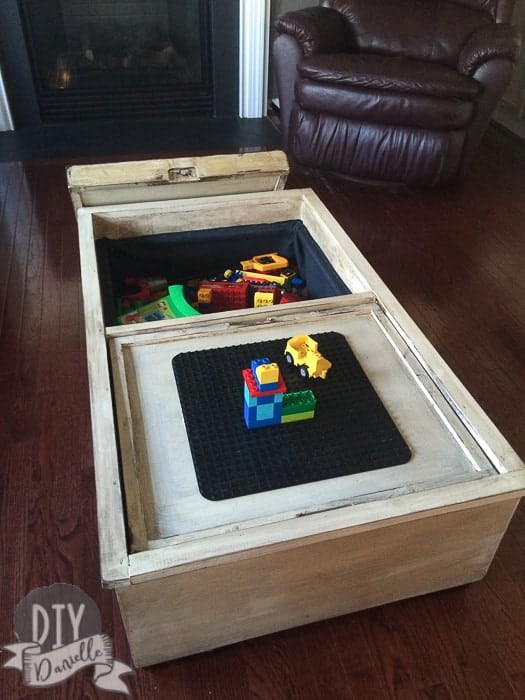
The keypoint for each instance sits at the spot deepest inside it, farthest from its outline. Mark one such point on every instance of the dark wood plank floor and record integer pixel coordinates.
(455, 258)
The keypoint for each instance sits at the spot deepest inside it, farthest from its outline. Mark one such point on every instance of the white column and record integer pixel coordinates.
(6, 123)
(253, 57)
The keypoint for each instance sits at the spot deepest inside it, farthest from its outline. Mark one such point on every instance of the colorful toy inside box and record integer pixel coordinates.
(173, 305)
(274, 282)
(210, 257)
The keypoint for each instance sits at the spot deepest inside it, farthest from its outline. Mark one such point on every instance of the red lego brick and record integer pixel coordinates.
(251, 383)
(226, 296)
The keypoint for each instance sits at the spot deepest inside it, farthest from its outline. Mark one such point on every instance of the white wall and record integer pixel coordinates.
(253, 57)
(511, 111)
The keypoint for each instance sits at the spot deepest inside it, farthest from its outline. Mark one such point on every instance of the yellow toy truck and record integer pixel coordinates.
(301, 351)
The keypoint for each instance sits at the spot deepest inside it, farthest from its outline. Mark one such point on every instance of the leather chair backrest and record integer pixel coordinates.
(433, 30)
(500, 10)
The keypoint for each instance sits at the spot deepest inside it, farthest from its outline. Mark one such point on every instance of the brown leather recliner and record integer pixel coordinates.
(394, 91)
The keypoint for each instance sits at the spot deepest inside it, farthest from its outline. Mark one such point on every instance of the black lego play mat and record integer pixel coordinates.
(350, 433)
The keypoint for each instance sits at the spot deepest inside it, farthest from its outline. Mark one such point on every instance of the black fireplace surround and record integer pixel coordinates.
(81, 60)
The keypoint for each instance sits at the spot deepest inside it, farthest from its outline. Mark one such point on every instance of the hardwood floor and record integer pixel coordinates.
(455, 259)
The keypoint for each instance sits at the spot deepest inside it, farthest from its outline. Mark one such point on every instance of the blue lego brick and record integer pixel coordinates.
(255, 363)
(262, 416)
(269, 386)
(266, 412)
(250, 418)
(261, 400)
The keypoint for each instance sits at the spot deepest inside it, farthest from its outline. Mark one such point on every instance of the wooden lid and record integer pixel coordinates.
(176, 178)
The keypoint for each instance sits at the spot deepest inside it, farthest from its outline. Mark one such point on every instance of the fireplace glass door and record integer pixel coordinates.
(119, 58)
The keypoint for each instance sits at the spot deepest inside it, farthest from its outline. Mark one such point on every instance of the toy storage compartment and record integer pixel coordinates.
(206, 254)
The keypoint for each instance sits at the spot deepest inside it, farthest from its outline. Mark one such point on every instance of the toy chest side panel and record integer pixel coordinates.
(266, 591)
(110, 509)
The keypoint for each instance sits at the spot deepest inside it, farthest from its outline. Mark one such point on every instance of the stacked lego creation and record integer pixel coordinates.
(266, 399)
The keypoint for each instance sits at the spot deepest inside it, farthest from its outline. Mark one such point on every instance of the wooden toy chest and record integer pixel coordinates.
(192, 574)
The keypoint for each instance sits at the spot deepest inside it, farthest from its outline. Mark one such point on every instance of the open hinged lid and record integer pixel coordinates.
(175, 178)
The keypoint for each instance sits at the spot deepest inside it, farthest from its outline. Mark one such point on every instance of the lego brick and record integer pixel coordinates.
(267, 376)
(265, 298)
(299, 402)
(223, 296)
(251, 385)
(262, 400)
(262, 416)
(265, 373)
(294, 417)
(266, 411)
(259, 361)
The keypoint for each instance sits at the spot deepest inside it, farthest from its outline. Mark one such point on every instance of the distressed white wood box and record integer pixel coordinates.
(192, 574)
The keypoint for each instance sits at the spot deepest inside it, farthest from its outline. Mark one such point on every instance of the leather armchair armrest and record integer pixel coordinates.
(316, 29)
(486, 43)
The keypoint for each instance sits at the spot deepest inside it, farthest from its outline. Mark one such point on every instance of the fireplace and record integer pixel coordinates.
(77, 60)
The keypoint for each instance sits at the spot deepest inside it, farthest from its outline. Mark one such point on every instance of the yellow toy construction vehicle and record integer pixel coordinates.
(301, 351)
